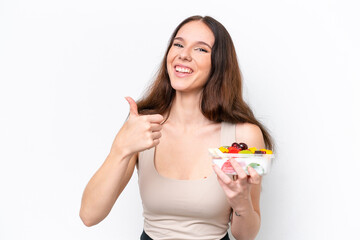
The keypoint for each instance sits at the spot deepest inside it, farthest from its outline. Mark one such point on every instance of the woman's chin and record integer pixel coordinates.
(183, 87)
(179, 87)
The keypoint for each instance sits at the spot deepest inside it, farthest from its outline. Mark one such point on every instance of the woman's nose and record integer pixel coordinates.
(185, 54)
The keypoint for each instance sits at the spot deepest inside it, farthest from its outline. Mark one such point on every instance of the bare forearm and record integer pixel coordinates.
(139, 132)
(103, 189)
(245, 222)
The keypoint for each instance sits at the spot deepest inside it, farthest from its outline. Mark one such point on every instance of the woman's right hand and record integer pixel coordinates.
(139, 132)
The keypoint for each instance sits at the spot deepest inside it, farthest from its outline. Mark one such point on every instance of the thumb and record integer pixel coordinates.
(133, 106)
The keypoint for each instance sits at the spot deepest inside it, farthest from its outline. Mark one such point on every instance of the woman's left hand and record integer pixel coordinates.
(238, 189)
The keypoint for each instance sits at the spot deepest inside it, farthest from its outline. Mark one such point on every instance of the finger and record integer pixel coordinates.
(155, 127)
(155, 118)
(156, 135)
(156, 142)
(239, 170)
(133, 106)
(221, 175)
(222, 184)
(254, 176)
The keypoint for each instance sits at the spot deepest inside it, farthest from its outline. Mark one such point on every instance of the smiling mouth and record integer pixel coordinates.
(183, 69)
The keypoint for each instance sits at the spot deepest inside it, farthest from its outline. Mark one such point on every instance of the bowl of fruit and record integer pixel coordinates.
(258, 159)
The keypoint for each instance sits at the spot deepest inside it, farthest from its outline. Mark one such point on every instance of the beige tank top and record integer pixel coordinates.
(183, 209)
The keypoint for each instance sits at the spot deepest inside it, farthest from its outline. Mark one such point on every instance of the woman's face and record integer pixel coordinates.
(189, 58)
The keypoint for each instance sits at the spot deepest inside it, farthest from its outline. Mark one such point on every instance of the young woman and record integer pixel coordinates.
(195, 103)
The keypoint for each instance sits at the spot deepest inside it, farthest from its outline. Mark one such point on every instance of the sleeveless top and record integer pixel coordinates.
(183, 209)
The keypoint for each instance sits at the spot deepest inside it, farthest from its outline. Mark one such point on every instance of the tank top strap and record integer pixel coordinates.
(228, 133)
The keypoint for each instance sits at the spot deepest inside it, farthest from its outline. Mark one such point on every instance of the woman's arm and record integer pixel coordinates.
(105, 187)
(245, 220)
(137, 134)
(243, 194)
(247, 224)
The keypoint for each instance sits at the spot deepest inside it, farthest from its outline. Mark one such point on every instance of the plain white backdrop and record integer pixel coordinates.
(66, 66)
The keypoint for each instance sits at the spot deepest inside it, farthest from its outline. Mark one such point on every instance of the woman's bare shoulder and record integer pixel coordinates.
(250, 134)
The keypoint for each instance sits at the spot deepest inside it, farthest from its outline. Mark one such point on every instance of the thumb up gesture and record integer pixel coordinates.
(139, 132)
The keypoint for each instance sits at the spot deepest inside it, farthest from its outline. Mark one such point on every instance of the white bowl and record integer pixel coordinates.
(260, 162)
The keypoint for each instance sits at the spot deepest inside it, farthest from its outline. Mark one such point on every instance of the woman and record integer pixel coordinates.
(195, 103)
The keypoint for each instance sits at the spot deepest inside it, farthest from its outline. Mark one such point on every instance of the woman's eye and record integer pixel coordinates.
(178, 45)
(202, 50)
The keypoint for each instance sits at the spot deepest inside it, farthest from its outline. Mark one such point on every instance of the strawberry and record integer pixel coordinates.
(233, 150)
(227, 167)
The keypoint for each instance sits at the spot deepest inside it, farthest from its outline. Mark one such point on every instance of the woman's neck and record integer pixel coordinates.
(186, 112)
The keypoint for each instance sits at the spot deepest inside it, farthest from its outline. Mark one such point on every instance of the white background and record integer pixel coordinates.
(66, 66)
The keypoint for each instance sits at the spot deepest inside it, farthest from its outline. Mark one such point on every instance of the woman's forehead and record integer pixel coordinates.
(196, 31)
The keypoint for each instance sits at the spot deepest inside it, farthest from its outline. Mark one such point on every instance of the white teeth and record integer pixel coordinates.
(184, 70)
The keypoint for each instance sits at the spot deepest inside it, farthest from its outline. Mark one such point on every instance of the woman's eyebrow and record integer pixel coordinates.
(198, 42)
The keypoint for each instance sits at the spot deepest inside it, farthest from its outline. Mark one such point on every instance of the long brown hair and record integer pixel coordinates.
(222, 98)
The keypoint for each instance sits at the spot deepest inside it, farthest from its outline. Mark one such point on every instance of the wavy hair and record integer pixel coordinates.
(222, 98)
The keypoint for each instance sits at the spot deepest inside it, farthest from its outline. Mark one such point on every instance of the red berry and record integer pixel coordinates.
(227, 167)
(235, 145)
(260, 152)
(233, 150)
(243, 146)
